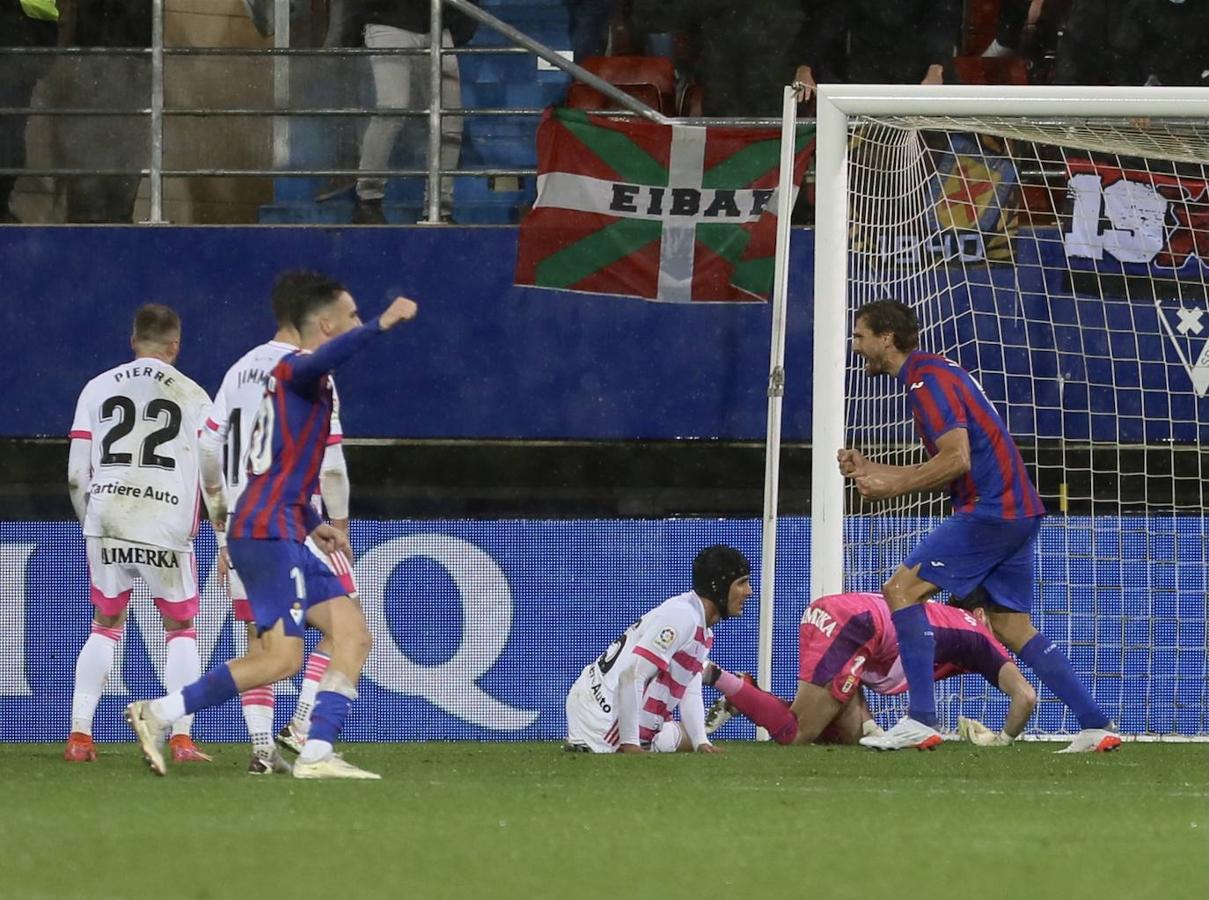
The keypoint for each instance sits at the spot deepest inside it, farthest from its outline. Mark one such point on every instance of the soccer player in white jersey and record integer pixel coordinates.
(133, 475)
(624, 701)
(227, 436)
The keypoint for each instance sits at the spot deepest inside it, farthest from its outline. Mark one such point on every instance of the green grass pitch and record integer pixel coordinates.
(502, 820)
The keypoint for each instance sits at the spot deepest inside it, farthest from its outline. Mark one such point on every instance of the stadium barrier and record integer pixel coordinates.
(481, 627)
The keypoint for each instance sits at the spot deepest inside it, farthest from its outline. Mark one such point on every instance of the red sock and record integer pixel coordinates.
(768, 711)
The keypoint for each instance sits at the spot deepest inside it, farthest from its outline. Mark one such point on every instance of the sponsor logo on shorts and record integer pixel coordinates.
(848, 685)
(296, 613)
(665, 638)
(820, 620)
(141, 556)
(936, 563)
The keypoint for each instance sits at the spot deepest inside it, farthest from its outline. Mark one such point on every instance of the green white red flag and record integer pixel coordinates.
(664, 212)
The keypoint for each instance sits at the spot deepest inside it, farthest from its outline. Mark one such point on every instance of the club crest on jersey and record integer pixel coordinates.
(665, 638)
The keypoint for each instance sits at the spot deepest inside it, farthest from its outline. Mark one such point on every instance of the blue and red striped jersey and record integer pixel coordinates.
(944, 396)
(289, 439)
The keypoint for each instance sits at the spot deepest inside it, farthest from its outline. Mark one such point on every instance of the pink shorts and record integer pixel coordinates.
(834, 643)
(114, 565)
(337, 562)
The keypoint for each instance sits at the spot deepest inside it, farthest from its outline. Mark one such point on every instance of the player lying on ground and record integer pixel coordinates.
(989, 542)
(624, 701)
(133, 476)
(288, 587)
(845, 640)
(227, 438)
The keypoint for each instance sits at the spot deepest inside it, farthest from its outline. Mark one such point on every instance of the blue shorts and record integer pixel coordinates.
(283, 579)
(966, 552)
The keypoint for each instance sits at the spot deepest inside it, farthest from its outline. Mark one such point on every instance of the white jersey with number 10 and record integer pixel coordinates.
(236, 405)
(143, 419)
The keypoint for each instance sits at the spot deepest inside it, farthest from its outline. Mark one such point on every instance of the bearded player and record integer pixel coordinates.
(989, 542)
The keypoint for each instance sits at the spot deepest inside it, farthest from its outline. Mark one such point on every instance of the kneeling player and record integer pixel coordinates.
(624, 701)
(848, 639)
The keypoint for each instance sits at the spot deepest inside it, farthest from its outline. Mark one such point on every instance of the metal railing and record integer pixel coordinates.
(282, 108)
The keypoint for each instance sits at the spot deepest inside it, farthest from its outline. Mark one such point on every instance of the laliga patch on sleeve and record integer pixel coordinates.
(665, 638)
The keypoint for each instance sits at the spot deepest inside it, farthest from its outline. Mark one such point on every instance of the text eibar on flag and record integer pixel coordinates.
(664, 212)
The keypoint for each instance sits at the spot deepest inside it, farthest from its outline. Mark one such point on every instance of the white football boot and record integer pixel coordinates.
(905, 734)
(149, 730)
(332, 766)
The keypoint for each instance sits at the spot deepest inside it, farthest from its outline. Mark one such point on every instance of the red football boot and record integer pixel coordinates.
(184, 750)
(80, 748)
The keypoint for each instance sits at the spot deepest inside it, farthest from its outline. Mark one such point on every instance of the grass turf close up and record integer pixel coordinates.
(506, 820)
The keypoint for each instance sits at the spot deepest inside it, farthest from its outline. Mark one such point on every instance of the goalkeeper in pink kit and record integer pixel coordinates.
(848, 640)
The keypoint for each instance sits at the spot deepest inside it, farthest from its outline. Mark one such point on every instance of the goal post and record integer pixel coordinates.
(1055, 242)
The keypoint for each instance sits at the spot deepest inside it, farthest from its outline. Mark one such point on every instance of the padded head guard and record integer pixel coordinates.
(715, 569)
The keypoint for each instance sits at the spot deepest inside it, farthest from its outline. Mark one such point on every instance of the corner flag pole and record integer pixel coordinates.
(776, 390)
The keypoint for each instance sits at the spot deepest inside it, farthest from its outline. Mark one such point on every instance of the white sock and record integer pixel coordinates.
(316, 665)
(182, 667)
(257, 706)
(314, 750)
(92, 671)
(170, 708)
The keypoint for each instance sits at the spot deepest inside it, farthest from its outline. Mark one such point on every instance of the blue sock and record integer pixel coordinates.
(1056, 673)
(215, 687)
(917, 649)
(327, 718)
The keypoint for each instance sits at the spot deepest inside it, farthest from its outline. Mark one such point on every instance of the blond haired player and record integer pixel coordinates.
(227, 437)
(624, 701)
(133, 475)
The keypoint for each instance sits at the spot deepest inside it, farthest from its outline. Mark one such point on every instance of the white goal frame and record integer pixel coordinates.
(836, 104)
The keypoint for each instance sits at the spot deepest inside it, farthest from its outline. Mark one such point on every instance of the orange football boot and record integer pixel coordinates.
(184, 750)
(80, 748)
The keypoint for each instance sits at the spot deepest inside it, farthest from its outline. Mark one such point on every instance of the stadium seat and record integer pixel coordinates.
(984, 70)
(628, 72)
(580, 96)
(692, 100)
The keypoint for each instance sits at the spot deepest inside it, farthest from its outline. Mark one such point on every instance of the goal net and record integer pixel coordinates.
(1057, 248)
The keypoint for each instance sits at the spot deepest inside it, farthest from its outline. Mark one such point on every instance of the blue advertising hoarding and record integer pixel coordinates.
(481, 627)
(1061, 364)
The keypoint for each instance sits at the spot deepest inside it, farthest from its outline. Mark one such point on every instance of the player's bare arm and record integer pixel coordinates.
(877, 481)
(401, 309)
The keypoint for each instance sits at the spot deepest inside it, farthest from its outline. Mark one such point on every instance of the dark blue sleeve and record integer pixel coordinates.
(307, 368)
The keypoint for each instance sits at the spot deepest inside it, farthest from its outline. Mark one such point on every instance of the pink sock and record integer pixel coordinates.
(766, 710)
(728, 683)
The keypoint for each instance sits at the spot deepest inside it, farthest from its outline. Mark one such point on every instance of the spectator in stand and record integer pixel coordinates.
(1085, 54)
(108, 81)
(1029, 29)
(588, 24)
(401, 81)
(1015, 17)
(748, 51)
(874, 42)
(23, 23)
(1162, 42)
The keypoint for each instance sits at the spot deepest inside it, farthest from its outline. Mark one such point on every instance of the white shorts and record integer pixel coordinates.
(171, 575)
(592, 723)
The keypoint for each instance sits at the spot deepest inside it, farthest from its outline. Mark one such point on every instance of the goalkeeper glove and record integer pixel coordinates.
(979, 735)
